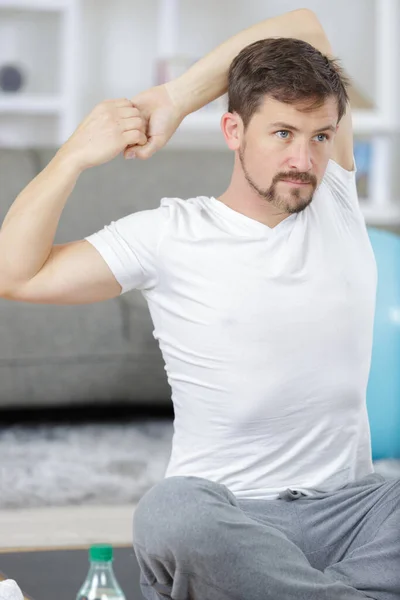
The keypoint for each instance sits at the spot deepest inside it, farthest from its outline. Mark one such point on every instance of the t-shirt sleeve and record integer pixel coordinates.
(342, 184)
(130, 245)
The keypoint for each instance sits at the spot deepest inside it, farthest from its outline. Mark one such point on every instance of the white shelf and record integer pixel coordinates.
(34, 5)
(31, 104)
(382, 215)
(203, 120)
(368, 122)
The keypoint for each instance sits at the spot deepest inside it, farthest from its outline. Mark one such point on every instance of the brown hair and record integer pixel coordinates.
(288, 70)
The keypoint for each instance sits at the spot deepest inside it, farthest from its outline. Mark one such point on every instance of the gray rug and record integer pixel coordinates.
(60, 465)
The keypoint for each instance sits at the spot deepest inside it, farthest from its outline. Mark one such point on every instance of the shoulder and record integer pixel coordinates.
(158, 217)
(179, 208)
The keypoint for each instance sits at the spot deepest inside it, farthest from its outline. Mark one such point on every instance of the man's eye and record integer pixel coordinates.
(319, 135)
(283, 134)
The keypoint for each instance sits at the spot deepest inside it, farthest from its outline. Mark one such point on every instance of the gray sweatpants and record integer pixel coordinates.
(194, 540)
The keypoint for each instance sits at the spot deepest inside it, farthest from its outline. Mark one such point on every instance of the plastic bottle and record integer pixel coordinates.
(100, 583)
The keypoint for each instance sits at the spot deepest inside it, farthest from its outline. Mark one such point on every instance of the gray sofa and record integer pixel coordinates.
(105, 352)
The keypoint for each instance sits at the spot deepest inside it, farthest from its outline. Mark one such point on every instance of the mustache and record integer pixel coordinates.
(295, 176)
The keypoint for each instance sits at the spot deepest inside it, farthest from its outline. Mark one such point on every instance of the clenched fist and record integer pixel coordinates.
(162, 113)
(106, 132)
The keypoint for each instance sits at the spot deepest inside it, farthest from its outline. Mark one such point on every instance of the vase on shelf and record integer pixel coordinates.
(13, 74)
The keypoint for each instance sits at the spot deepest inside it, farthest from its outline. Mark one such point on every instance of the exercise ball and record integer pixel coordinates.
(383, 392)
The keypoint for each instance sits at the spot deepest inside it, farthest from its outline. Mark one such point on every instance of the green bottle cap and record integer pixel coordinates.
(101, 553)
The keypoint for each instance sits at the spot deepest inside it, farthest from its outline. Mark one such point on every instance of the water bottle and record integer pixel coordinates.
(100, 583)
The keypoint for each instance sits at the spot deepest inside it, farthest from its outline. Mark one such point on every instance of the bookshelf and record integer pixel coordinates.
(39, 36)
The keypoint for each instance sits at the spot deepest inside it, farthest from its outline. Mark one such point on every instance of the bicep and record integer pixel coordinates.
(74, 273)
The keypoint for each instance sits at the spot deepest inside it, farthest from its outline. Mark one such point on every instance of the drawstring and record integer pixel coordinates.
(290, 495)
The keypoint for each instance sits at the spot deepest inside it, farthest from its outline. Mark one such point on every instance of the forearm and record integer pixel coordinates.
(207, 79)
(28, 230)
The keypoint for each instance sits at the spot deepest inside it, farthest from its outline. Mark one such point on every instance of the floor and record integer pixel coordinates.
(82, 458)
(75, 523)
(66, 527)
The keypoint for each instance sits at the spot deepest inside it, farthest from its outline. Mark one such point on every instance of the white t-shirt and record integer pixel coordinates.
(266, 334)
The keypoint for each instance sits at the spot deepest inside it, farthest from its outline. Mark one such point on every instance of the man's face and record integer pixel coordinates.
(284, 152)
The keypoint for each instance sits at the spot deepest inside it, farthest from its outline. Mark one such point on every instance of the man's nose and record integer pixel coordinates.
(300, 158)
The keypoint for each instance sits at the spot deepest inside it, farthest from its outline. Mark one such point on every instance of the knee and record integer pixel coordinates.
(174, 513)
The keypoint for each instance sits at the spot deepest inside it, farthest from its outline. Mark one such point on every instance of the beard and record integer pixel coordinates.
(295, 200)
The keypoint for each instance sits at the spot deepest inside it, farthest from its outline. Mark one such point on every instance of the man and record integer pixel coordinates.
(263, 304)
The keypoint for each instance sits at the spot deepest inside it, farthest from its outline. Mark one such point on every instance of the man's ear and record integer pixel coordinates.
(232, 128)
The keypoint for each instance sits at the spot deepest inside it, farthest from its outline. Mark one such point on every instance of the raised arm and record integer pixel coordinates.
(207, 79)
(32, 268)
(165, 106)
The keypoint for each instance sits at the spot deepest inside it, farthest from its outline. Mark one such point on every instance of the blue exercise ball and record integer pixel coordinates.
(383, 392)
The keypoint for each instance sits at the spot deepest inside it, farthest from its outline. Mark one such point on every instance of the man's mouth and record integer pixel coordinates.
(292, 182)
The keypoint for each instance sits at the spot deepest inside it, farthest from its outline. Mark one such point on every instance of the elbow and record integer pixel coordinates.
(312, 30)
(5, 289)
(309, 20)
(5, 293)
(308, 15)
